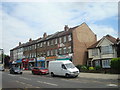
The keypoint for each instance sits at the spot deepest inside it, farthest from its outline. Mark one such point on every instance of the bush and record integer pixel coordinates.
(98, 67)
(115, 64)
(84, 68)
(91, 68)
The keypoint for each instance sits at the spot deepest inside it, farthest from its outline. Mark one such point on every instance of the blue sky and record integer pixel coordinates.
(23, 20)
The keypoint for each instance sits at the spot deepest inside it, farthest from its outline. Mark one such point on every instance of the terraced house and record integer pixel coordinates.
(71, 43)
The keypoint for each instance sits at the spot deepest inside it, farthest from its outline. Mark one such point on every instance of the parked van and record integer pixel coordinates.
(63, 68)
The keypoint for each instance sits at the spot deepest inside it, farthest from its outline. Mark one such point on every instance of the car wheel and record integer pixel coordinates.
(40, 73)
(52, 74)
(21, 73)
(67, 75)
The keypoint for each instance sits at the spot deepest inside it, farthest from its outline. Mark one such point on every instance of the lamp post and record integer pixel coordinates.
(2, 53)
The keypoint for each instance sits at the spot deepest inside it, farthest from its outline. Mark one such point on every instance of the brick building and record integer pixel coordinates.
(71, 43)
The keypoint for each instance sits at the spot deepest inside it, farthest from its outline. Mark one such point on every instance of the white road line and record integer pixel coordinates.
(47, 83)
(25, 78)
(112, 85)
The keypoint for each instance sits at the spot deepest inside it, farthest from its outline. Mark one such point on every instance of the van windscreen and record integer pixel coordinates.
(69, 65)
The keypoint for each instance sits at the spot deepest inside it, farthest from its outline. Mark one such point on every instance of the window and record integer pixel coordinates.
(48, 43)
(64, 50)
(44, 43)
(63, 66)
(51, 52)
(60, 40)
(69, 49)
(64, 38)
(94, 52)
(40, 44)
(56, 41)
(48, 53)
(60, 50)
(69, 37)
(51, 42)
(56, 52)
(106, 50)
(106, 63)
(97, 63)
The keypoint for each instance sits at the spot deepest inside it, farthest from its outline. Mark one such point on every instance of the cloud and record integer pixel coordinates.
(102, 30)
(22, 21)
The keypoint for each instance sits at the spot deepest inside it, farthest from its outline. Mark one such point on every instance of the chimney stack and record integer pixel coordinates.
(66, 28)
(19, 43)
(30, 40)
(45, 35)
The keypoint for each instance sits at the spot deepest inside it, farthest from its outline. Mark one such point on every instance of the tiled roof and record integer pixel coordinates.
(55, 35)
(109, 37)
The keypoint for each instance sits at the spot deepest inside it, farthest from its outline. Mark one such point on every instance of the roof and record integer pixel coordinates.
(52, 36)
(109, 37)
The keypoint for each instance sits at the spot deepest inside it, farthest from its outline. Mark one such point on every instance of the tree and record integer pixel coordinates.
(6, 60)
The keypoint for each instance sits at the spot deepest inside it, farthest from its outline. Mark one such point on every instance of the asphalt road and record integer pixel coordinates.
(27, 80)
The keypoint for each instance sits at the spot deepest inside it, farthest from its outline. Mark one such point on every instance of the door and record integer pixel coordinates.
(63, 70)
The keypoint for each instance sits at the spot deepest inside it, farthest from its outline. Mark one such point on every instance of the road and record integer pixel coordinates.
(27, 80)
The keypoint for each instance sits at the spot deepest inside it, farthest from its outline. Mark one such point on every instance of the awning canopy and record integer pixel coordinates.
(63, 59)
(40, 60)
(19, 61)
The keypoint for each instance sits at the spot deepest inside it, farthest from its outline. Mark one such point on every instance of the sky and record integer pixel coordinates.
(23, 20)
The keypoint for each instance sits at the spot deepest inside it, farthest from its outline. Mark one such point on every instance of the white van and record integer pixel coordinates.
(63, 68)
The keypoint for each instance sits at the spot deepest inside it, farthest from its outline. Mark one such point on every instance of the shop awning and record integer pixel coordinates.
(40, 60)
(19, 61)
(63, 59)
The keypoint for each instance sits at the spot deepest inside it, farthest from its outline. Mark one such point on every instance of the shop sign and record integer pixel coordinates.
(40, 58)
(53, 57)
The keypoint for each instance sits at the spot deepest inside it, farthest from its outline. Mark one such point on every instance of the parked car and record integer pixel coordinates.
(39, 70)
(15, 70)
(63, 68)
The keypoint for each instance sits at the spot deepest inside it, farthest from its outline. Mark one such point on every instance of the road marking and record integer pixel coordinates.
(47, 83)
(112, 85)
(25, 78)
(12, 75)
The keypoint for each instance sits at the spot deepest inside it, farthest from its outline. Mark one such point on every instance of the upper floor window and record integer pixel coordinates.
(64, 38)
(60, 40)
(41, 44)
(69, 49)
(44, 43)
(64, 50)
(69, 38)
(60, 50)
(51, 42)
(51, 52)
(94, 52)
(48, 53)
(48, 43)
(56, 52)
(56, 41)
(106, 49)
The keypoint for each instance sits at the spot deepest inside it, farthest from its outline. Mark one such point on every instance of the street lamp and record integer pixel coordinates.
(2, 56)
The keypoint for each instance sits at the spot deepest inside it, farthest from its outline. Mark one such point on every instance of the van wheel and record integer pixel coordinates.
(52, 74)
(67, 75)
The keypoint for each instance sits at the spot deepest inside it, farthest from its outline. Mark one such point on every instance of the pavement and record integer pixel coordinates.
(90, 75)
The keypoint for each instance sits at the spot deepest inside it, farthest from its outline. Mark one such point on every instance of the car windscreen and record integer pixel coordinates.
(69, 65)
(17, 68)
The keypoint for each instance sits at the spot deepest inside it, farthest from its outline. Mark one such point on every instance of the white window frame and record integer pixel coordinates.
(56, 41)
(106, 63)
(69, 38)
(60, 50)
(64, 38)
(48, 43)
(64, 50)
(60, 40)
(69, 49)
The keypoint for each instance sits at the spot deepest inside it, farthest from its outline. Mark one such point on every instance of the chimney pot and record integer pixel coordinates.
(66, 28)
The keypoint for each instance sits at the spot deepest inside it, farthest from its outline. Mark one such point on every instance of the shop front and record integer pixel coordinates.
(31, 63)
(18, 63)
(25, 64)
(40, 62)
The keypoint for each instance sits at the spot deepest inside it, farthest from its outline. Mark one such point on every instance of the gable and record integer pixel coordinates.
(104, 42)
